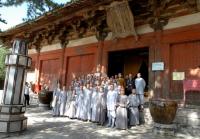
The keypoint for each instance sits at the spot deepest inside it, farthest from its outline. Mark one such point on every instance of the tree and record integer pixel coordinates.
(35, 8)
(3, 52)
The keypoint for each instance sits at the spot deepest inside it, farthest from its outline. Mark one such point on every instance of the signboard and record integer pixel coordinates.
(178, 76)
(157, 66)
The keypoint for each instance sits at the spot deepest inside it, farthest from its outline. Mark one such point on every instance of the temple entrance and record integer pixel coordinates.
(129, 61)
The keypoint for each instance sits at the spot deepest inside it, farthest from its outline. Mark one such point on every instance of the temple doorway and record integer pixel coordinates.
(129, 61)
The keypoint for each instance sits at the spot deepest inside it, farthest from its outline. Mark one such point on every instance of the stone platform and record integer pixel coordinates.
(165, 130)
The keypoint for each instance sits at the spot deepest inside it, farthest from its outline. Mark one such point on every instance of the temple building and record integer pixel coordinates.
(159, 38)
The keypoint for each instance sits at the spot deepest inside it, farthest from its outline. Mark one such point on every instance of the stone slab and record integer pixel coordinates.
(164, 129)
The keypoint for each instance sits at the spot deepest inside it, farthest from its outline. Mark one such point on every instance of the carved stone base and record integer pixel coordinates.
(12, 118)
(164, 129)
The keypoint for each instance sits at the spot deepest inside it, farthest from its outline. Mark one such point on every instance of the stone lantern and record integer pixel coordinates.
(12, 106)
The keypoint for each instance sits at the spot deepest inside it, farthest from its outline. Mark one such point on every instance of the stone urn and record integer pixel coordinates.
(45, 97)
(163, 111)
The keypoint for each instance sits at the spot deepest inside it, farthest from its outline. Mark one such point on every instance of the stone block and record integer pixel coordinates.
(23, 109)
(3, 127)
(164, 129)
(24, 124)
(15, 109)
(15, 126)
(5, 109)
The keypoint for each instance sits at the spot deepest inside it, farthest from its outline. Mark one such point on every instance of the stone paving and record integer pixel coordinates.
(41, 125)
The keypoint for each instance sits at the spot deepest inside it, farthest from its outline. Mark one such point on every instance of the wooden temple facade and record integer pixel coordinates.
(164, 44)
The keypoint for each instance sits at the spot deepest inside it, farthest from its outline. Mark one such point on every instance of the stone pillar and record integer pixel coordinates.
(12, 106)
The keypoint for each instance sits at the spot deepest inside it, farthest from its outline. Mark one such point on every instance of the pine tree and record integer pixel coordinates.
(35, 8)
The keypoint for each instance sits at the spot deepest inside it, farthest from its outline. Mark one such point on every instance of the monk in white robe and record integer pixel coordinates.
(133, 109)
(94, 104)
(87, 102)
(55, 102)
(71, 111)
(111, 106)
(69, 96)
(62, 100)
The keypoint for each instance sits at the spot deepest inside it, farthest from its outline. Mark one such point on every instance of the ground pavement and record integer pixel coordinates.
(41, 125)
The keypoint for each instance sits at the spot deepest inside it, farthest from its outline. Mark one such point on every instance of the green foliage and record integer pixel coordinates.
(35, 8)
(1, 20)
(3, 52)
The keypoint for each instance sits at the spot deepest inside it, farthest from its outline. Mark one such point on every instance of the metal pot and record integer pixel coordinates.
(163, 111)
(45, 97)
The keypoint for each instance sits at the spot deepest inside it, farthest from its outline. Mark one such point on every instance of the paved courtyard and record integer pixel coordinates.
(41, 125)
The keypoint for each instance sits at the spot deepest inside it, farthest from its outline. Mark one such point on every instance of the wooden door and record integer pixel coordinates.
(50, 73)
(79, 65)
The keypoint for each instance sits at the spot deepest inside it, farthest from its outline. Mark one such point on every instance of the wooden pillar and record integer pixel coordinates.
(100, 52)
(62, 70)
(151, 73)
(166, 73)
(157, 58)
(37, 71)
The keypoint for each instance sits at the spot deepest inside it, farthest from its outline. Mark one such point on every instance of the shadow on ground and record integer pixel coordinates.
(41, 125)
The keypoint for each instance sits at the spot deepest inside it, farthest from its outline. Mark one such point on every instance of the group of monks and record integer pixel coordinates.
(100, 99)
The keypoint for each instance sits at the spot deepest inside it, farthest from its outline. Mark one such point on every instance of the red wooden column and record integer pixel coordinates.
(157, 58)
(161, 78)
(165, 53)
(100, 52)
(62, 70)
(37, 71)
(151, 73)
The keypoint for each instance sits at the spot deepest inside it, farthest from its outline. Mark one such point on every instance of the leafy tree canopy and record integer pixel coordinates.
(3, 52)
(35, 8)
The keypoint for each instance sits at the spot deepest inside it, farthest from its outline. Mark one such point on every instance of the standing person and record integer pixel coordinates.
(111, 106)
(71, 111)
(130, 84)
(63, 100)
(121, 112)
(94, 104)
(26, 93)
(101, 106)
(140, 86)
(69, 97)
(87, 101)
(133, 109)
(55, 103)
(121, 80)
(79, 101)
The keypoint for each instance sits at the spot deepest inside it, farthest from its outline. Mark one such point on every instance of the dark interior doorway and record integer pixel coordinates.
(129, 61)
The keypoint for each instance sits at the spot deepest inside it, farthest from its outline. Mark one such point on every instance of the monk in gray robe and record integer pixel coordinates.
(94, 104)
(111, 106)
(79, 102)
(133, 109)
(62, 100)
(87, 102)
(55, 102)
(121, 112)
(101, 106)
(140, 86)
